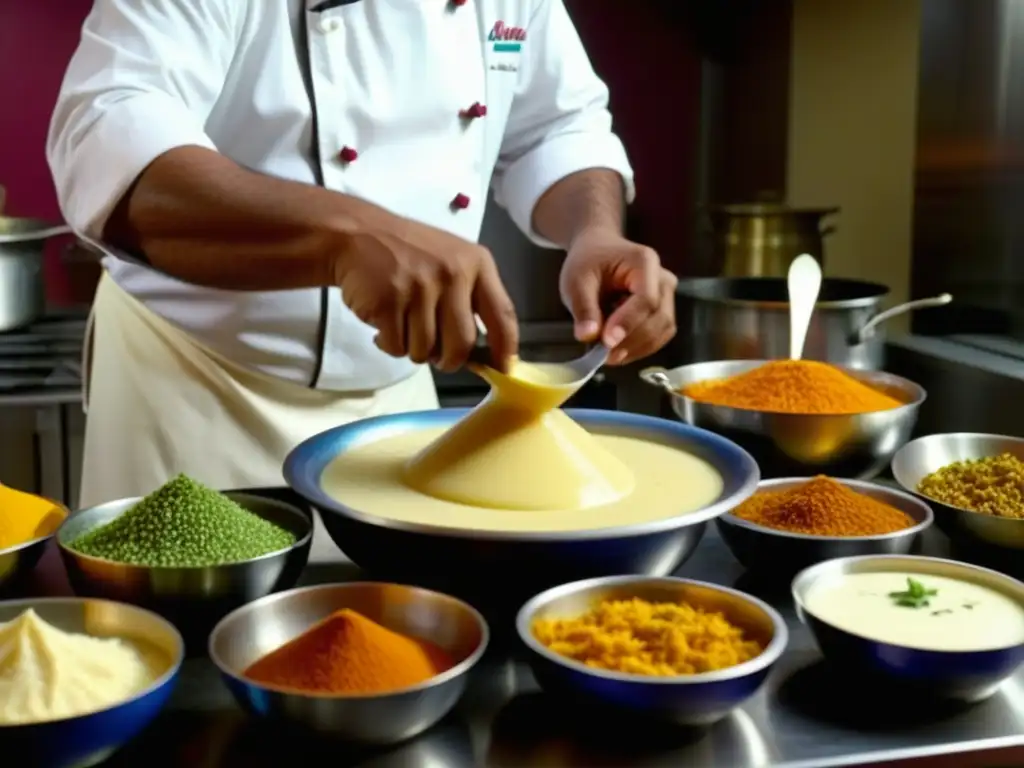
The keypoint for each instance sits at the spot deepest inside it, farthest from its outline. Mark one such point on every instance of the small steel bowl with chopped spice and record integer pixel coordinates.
(925, 626)
(685, 696)
(973, 481)
(791, 523)
(192, 576)
(788, 443)
(364, 662)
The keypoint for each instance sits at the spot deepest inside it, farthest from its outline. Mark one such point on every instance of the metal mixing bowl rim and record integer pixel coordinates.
(766, 485)
(448, 675)
(177, 658)
(930, 499)
(674, 522)
(39, 539)
(808, 574)
(771, 653)
(305, 540)
(920, 393)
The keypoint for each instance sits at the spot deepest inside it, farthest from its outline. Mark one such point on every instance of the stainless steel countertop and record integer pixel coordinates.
(803, 718)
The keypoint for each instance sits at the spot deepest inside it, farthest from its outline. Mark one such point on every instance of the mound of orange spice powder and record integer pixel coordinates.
(793, 386)
(348, 653)
(823, 507)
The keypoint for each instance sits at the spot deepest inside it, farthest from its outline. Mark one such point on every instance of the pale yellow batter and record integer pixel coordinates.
(520, 425)
(669, 482)
(518, 463)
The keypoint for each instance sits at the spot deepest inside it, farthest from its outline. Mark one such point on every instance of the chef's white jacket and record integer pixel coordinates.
(372, 98)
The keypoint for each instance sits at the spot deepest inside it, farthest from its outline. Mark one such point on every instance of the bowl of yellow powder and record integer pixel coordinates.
(974, 482)
(794, 522)
(81, 677)
(797, 417)
(27, 523)
(679, 650)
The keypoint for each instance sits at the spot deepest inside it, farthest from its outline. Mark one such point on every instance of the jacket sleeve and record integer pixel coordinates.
(143, 81)
(559, 123)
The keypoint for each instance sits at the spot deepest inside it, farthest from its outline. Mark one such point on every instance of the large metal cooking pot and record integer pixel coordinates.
(22, 289)
(761, 240)
(748, 319)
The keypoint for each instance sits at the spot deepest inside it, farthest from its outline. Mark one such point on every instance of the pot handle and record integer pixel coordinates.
(909, 306)
(657, 376)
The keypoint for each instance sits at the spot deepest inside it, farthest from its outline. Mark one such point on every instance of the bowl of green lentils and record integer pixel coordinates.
(190, 553)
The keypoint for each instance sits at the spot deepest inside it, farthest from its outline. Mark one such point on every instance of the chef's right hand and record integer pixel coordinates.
(420, 286)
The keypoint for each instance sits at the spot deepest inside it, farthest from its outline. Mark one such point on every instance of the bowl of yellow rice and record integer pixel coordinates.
(679, 650)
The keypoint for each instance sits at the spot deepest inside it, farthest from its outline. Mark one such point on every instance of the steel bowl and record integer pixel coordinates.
(967, 675)
(783, 554)
(699, 699)
(792, 445)
(193, 598)
(255, 630)
(487, 567)
(920, 457)
(18, 561)
(90, 739)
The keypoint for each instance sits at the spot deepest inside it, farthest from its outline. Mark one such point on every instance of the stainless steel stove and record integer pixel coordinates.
(43, 360)
(40, 405)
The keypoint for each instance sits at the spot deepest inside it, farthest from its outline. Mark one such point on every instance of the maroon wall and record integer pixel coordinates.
(36, 40)
(641, 49)
(644, 51)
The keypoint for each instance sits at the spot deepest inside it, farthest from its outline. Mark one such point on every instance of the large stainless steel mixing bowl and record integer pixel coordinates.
(781, 554)
(964, 675)
(698, 699)
(193, 598)
(920, 457)
(255, 630)
(76, 742)
(507, 567)
(794, 445)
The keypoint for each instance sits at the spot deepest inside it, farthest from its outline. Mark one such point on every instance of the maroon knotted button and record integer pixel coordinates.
(460, 202)
(471, 113)
(348, 155)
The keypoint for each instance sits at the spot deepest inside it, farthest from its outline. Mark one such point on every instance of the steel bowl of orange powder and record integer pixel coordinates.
(792, 523)
(365, 662)
(676, 650)
(797, 417)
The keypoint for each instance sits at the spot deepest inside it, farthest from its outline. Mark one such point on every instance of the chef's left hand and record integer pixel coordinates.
(602, 267)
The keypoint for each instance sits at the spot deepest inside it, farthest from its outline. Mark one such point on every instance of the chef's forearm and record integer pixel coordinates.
(585, 201)
(200, 217)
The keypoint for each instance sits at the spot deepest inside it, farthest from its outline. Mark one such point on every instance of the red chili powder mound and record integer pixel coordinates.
(348, 653)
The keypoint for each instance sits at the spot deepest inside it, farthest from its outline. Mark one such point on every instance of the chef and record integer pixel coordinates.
(290, 194)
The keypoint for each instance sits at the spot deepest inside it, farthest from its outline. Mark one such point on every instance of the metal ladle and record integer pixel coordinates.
(804, 284)
(582, 368)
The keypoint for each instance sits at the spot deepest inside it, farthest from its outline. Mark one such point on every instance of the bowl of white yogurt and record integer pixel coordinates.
(938, 627)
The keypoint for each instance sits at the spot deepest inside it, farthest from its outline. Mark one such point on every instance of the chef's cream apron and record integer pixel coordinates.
(159, 403)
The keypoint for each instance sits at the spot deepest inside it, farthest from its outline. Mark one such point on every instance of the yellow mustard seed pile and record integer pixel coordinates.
(643, 638)
(993, 485)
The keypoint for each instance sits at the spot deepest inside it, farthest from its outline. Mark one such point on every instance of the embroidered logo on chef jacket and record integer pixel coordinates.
(507, 42)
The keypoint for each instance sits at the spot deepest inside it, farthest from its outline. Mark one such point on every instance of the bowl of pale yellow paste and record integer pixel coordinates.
(922, 625)
(81, 677)
(682, 477)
